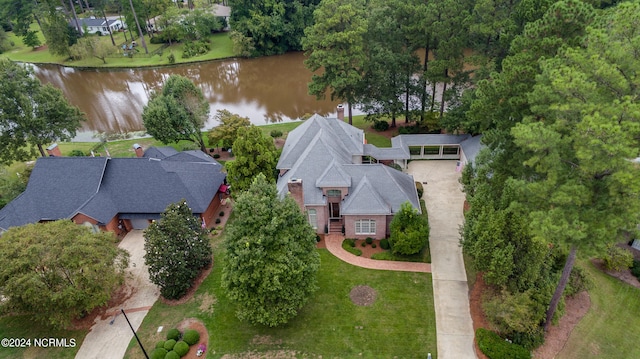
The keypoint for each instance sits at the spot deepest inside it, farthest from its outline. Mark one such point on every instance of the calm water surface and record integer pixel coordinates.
(266, 90)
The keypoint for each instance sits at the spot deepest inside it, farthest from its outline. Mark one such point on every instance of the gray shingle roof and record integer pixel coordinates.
(92, 22)
(61, 187)
(471, 147)
(321, 153)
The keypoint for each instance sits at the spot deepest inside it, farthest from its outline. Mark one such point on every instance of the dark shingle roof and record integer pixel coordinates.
(61, 187)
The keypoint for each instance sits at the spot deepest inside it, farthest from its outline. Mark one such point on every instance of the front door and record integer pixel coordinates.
(334, 210)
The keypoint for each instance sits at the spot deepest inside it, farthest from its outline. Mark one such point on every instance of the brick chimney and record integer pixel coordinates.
(54, 150)
(296, 191)
(138, 149)
(340, 110)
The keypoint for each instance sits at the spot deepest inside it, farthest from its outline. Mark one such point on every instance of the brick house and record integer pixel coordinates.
(117, 194)
(326, 168)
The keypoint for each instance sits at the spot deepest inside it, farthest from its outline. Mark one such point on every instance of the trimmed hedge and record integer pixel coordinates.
(494, 347)
(158, 353)
(174, 334)
(635, 268)
(384, 243)
(191, 336)
(182, 348)
(369, 240)
(420, 189)
(172, 355)
(169, 344)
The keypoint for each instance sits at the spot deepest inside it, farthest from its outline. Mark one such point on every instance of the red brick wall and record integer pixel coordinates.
(81, 218)
(211, 212)
(381, 226)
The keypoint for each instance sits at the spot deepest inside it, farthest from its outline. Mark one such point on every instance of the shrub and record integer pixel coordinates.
(174, 334)
(276, 133)
(635, 268)
(363, 244)
(171, 58)
(221, 213)
(182, 348)
(384, 243)
(172, 355)
(160, 344)
(348, 245)
(420, 189)
(169, 344)
(191, 336)
(380, 125)
(369, 240)
(218, 221)
(216, 155)
(374, 246)
(156, 40)
(318, 239)
(158, 353)
(351, 242)
(495, 347)
(617, 258)
(578, 281)
(409, 231)
(76, 153)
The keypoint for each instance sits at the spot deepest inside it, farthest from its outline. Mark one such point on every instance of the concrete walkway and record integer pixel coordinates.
(445, 199)
(110, 341)
(334, 246)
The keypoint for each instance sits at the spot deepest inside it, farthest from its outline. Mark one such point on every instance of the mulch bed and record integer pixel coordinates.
(195, 324)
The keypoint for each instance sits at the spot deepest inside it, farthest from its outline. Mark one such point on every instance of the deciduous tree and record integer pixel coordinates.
(177, 113)
(255, 154)
(57, 271)
(409, 231)
(32, 115)
(176, 249)
(271, 265)
(227, 131)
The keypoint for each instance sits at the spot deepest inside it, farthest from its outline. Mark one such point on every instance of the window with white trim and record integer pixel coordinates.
(366, 226)
(313, 218)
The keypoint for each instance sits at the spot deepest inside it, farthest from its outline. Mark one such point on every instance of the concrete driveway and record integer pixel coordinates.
(110, 341)
(444, 199)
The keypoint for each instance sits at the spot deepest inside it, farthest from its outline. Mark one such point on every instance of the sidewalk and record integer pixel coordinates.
(110, 337)
(334, 246)
(444, 199)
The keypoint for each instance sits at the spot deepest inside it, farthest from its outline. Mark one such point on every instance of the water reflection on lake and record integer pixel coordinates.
(267, 89)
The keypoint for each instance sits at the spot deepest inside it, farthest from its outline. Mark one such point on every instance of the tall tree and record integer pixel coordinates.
(271, 265)
(140, 33)
(32, 115)
(255, 154)
(57, 271)
(177, 113)
(580, 139)
(335, 44)
(176, 249)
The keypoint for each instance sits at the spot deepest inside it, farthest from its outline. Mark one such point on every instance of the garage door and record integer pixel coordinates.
(139, 223)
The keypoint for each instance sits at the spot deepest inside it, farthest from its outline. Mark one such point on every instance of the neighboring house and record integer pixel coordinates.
(326, 168)
(93, 25)
(117, 194)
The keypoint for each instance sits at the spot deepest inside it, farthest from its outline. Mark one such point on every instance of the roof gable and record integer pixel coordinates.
(333, 176)
(365, 199)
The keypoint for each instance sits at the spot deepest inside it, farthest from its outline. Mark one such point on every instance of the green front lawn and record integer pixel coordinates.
(400, 324)
(21, 326)
(611, 328)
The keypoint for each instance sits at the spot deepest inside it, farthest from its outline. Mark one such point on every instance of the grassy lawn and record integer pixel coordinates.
(23, 327)
(400, 324)
(611, 328)
(221, 47)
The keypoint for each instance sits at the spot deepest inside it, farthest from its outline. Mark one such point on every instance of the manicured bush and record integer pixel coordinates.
(216, 155)
(635, 268)
(171, 58)
(363, 244)
(221, 213)
(374, 245)
(191, 336)
(369, 240)
(174, 334)
(420, 189)
(76, 153)
(351, 242)
(276, 133)
(172, 355)
(218, 221)
(495, 347)
(182, 348)
(380, 125)
(160, 344)
(384, 243)
(617, 258)
(158, 353)
(318, 239)
(169, 344)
